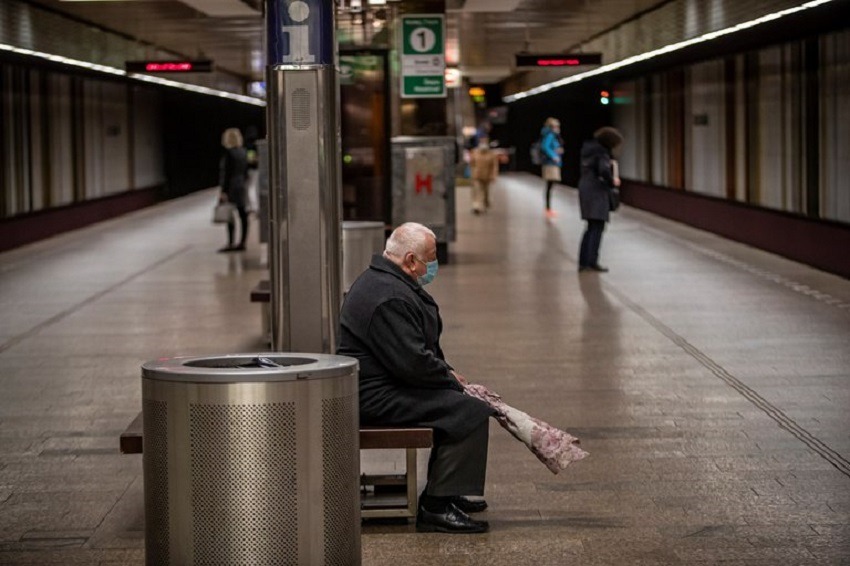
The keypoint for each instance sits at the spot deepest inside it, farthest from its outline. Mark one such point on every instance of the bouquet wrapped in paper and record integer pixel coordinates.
(552, 446)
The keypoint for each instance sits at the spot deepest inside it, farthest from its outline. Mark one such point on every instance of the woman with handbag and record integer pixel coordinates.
(233, 175)
(598, 180)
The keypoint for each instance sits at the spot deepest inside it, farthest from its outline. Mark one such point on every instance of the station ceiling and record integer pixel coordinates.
(482, 35)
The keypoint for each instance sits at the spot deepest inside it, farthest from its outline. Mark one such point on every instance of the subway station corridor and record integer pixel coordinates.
(709, 381)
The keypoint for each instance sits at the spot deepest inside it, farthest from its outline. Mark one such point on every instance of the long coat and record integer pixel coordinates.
(392, 326)
(596, 181)
(233, 172)
(484, 164)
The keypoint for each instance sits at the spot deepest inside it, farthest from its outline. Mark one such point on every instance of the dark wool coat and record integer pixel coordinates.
(596, 181)
(392, 326)
(233, 174)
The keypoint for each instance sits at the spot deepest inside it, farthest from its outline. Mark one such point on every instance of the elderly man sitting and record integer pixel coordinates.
(392, 326)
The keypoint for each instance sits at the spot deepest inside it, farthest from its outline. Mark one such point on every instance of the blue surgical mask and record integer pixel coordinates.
(430, 273)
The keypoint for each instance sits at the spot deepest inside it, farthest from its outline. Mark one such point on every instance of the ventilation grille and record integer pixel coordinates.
(339, 459)
(301, 109)
(244, 492)
(155, 459)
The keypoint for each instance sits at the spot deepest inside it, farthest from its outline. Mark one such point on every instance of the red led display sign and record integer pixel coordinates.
(203, 66)
(556, 60)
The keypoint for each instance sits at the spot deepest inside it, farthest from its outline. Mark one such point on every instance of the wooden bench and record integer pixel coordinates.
(262, 293)
(374, 505)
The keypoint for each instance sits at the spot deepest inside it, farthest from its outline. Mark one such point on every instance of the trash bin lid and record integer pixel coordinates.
(255, 367)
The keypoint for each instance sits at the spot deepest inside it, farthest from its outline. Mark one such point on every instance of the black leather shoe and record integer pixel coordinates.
(452, 521)
(600, 268)
(469, 505)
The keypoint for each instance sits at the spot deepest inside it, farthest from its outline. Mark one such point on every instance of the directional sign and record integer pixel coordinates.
(423, 58)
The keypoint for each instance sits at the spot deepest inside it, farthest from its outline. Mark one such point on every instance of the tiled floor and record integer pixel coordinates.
(709, 381)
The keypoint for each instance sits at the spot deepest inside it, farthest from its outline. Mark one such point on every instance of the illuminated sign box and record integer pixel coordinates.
(202, 66)
(555, 60)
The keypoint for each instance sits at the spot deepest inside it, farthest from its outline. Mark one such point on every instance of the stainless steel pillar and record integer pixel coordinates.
(306, 206)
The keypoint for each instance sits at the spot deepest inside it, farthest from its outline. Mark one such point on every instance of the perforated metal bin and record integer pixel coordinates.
(245, 464)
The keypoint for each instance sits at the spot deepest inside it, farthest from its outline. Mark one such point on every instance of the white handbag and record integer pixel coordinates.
(223, 213)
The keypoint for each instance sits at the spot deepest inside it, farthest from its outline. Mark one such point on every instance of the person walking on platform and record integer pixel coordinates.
(598, 178)
(552, 151)
(233, 174)
(485, 168)
(392, 326)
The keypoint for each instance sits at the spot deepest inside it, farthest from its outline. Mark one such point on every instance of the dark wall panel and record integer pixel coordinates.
(28, 228)
(192, 128)
(817, 243)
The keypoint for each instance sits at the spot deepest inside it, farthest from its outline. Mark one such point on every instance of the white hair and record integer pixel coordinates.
(409, 237)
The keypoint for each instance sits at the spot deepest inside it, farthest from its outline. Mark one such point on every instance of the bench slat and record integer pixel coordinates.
(379, 437)
(131, 439)
(370, 437)
(262, 292)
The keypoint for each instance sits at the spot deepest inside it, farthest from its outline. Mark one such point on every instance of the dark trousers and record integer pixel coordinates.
(549, 185)
(459, 467)
(231, 227)
(590, 242)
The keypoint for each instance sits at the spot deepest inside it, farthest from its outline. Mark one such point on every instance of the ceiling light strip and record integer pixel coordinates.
(663, 50)
(144, 78)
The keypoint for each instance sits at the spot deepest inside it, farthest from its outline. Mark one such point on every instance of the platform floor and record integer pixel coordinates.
(709, 381)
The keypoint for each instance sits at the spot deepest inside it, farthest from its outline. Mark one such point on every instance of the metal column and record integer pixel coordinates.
(305, 202)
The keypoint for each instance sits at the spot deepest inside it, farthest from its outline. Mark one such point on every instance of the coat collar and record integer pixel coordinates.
(380, 263)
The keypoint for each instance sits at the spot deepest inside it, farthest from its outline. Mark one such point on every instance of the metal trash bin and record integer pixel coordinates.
(251, 459)
(423, 185)
(360, 239)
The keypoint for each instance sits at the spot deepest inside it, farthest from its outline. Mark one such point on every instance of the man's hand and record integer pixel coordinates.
(459, 377)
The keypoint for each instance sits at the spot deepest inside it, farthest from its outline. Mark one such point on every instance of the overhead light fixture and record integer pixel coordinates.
(139, 77)
(663, 50)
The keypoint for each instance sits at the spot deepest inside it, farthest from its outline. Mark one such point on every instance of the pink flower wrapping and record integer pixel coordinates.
(552, 446)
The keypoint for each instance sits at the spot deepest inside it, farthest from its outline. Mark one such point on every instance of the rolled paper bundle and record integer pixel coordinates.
(552, 446)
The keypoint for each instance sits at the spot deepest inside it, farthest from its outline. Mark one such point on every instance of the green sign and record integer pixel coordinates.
(423, 60)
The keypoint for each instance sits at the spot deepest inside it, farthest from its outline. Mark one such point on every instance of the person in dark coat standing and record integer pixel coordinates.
(392, 326)
(233, 174)
(594, 190)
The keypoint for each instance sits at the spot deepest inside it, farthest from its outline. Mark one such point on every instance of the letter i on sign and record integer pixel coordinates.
(298, 35)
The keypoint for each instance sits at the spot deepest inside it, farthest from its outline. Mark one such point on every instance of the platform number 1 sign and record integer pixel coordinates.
(423, 60)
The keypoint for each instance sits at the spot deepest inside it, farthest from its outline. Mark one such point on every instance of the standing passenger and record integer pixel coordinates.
(485, 168)
(233, 173)
(552, 150)
(594, 191)
(392, 326)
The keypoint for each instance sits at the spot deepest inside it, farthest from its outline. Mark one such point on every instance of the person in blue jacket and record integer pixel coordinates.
(552, 150)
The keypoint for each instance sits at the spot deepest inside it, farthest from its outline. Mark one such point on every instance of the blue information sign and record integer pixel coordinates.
(300, 32)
